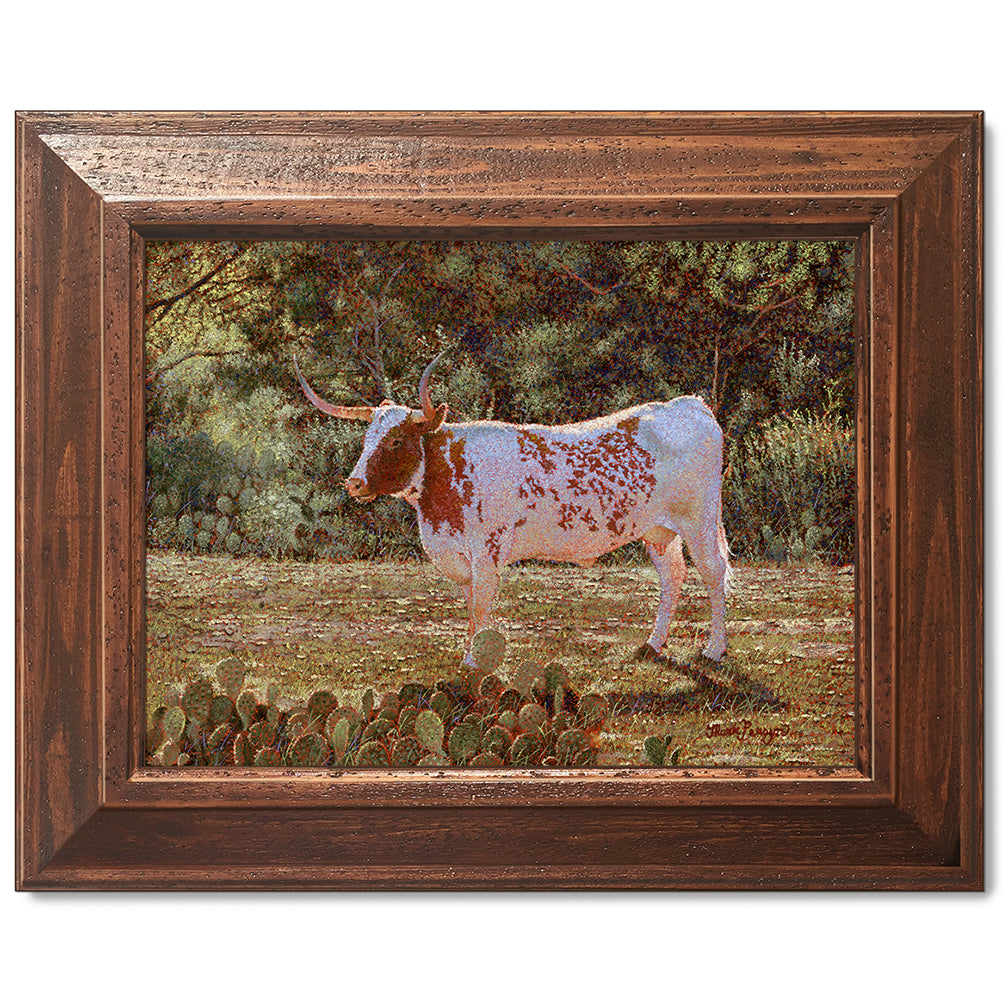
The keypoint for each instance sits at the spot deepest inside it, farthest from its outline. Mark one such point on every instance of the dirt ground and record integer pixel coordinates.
(783, 695)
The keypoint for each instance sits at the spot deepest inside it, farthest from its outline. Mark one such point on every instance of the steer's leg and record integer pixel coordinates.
(671, 567)
(709, 551)
(480, 593)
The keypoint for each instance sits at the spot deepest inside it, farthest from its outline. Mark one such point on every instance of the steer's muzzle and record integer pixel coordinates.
(359, 489)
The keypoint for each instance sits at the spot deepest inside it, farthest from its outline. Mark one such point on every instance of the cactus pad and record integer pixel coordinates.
(367, 703)
(338, 732)
(464, 742)
(259, 735)
(488, 650)
(429, 729)
(407, 719)
(372, 753)
(246, 704)
(310, 749)
(508, 720)
(441, 703)
(167, 754)
(526, 676)
(406, 751)
(221, 709)
(526, 749)
(174, 722)
(231, 676)
(320, 705)
(532, 718)
(496, 740)
(654, 748)
(410, 694)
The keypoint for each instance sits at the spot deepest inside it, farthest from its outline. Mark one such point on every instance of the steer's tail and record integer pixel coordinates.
(722, 542)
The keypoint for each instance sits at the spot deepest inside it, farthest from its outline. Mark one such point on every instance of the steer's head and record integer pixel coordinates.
(391, 461)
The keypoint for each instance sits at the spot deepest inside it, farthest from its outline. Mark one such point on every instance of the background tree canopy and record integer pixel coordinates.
(545, 332)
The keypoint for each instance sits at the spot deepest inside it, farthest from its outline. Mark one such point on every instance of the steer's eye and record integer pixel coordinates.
(395, 442)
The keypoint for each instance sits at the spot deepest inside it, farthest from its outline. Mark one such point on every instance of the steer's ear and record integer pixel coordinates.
(435, 421)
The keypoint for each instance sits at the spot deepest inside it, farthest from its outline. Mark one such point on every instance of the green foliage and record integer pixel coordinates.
(544, 332)
(790, 491)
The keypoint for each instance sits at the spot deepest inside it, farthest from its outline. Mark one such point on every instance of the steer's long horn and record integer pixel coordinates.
(343, 412)
(425, 400)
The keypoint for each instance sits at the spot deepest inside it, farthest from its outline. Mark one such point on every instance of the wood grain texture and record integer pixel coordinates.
(92, 188)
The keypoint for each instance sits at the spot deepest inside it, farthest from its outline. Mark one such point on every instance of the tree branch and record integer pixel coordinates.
(166, 304)
(164, 369)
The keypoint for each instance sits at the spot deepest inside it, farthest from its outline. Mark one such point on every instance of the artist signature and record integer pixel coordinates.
(745, 729)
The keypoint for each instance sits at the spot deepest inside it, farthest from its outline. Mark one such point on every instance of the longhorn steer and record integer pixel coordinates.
(488, 494)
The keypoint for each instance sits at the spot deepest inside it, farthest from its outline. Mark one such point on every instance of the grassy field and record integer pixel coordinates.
(784, 695)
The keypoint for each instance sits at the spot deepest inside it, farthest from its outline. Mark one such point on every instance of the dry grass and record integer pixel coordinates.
(782, 696)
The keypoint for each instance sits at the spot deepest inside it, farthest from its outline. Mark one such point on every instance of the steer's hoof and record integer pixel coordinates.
(646, 653)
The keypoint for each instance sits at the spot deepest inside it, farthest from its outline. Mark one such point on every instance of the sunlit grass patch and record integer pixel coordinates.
(782, 695)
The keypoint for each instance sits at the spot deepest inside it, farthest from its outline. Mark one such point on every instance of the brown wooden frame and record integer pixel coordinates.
(93, 187)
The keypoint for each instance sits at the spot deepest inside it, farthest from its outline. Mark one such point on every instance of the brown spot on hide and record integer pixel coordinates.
(441, 497)
(493, 545)
(456, 453)
(534, 448)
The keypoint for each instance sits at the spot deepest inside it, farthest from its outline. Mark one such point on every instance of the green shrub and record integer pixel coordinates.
(790, 490)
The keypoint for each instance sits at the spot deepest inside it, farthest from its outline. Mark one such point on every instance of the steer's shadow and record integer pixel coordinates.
(718, 688)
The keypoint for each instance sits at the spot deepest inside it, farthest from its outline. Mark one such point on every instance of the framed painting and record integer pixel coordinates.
(184, 279)
(279, 603)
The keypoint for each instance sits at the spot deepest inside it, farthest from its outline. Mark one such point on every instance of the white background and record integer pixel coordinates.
(611, 949)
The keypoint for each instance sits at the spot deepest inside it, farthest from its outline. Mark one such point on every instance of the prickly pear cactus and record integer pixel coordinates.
(174, 722)
(196, 700)
(221, 707)
(555, 676)
(527, 675)
(441, 703)
(654, 748)
(367, 703)
(218, 738)
(531, 718)
(388, 707)
(259, 735)
(267, 757)
(338, 732)
(488, 650)
(307, 750)
(320, 705)
(410, 694)
(231, 676)
(167, 754)
(491, 686)
(373, 753)
(429, 729)
(297, 722)
(464, 742)
(496, 739)
(406, 751)
(242, 752)
(246, 704)
(526, 749)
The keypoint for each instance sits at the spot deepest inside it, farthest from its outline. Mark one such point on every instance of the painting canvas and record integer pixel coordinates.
(420, 504)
